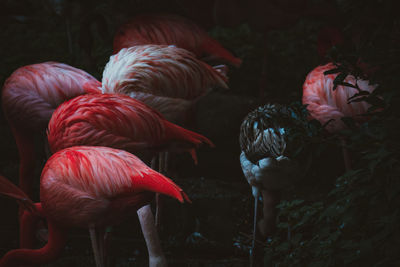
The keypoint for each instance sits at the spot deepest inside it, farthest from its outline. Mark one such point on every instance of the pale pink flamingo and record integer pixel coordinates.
(119, 121)
(166, 78)
(329, 106)
(86, 187)
(168, 29)
(29, 97)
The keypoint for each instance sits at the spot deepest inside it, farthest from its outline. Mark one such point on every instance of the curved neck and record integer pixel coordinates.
(27, 227)
(26, 150)
(50, 252)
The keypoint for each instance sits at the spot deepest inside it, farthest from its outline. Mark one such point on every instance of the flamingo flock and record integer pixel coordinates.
(101, 133)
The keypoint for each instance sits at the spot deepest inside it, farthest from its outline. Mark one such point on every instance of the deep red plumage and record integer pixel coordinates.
(83, 186)
(166, 29)
(118, 121)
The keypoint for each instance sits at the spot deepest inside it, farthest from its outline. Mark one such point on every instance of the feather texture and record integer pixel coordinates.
(117, 121)
(266, 159)
(166, 78)
(324, 104)
(159, 70)
(170, 30)
(31, 93)
(79, 185)
(262, 133)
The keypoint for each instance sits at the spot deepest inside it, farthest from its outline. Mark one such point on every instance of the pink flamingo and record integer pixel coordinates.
(86, 187)
(119, 121)
(325, 104)
(167, 29)
(29, 97)
(167, 78)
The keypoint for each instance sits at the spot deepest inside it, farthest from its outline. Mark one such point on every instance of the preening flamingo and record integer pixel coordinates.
(167, 78)
(86, 187)
(328, 105)
(29, 97)
(119, 121)
(168, 29)
(267, 161)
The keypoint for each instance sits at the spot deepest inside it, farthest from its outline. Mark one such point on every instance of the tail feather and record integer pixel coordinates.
(158, 183)
(194, 155)
(212, 47)
(179, 134)
(10, 190)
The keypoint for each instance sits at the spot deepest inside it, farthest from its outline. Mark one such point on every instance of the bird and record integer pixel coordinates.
(86, 187)
(268, 160)
(166, 78)
(329, 106)
(169, 29)
(29, 97)
(119, 121)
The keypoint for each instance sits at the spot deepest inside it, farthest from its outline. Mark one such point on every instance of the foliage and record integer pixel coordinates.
(356, 224)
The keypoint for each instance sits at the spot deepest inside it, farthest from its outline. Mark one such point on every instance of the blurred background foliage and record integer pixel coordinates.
(333, 218)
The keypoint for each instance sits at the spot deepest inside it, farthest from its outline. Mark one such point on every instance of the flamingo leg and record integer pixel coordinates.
(162, 167)
(154, 163)
(253, 244)
(149, 230)
(101, 237)
(26, 150)
(166, 159)
(95, 246)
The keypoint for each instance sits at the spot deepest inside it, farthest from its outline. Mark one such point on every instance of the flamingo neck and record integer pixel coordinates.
(50, 252)
(26, 150)
(28, 223)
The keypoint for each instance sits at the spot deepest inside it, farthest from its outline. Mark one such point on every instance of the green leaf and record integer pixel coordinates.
(339, 79)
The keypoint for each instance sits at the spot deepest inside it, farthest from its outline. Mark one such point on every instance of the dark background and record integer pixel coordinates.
(333, 219)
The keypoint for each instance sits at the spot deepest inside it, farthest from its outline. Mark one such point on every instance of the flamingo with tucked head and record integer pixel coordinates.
(29, 97)
(329, 106)
(168, 29)
(166, 78)
(119, 121)
(86, 187)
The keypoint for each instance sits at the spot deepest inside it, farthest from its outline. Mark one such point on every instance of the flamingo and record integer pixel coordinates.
(119, 121)
(167, 78)
(267, 161)
(29, 97)
(86, 187)
(168, 29)
(328, 106)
